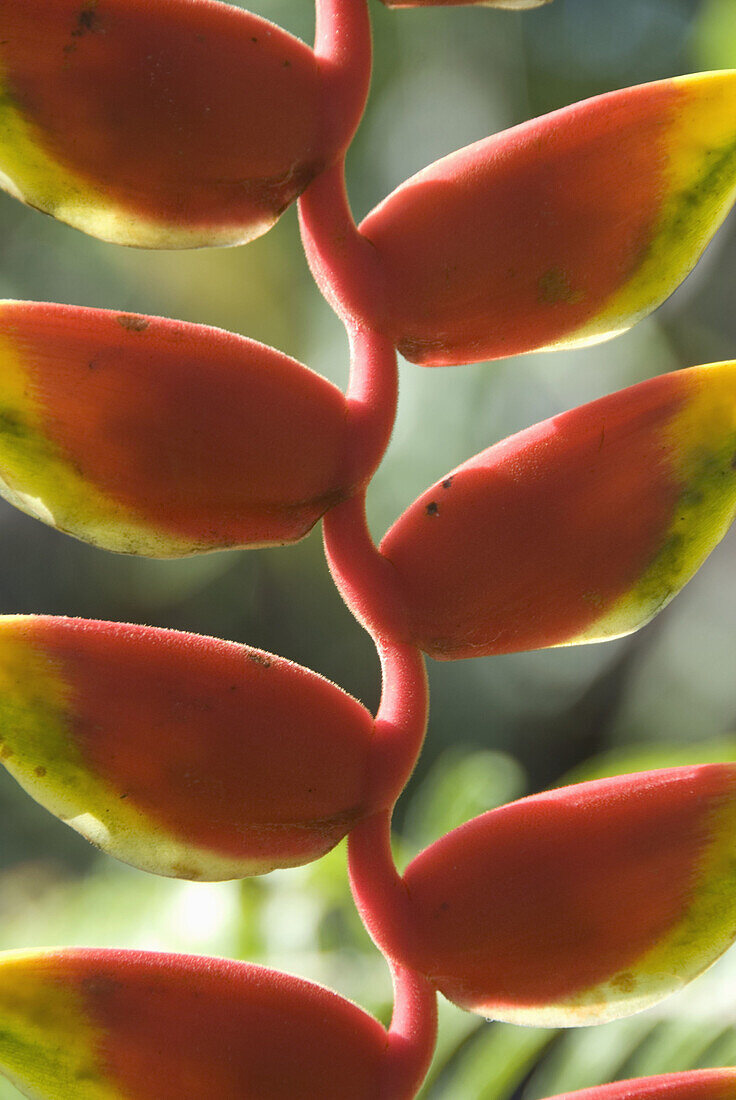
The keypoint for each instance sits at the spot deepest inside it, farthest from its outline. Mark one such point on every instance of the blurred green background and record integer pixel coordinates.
(499, 727)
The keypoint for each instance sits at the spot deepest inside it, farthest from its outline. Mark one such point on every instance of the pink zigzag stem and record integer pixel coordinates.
(344, 266)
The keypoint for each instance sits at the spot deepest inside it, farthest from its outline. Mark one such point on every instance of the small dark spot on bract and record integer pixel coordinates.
(100, 985)
(132, 322)
(733, 462)
(254, 39)
(624, 983)
(181, 870)
(40, 771)
(432, 508)
(447, 483)
(554, 286)
(122, 796)
(88, 21)
(259, 659)
(11, 423)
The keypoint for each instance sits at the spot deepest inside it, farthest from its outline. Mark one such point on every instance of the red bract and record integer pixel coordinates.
(577, 529)
(130, 1025)
(157, 437)
(511, 5)
(701, 1084)
(581, 904)
(176, 123)
(163, 125)
(185, 755)
(562, 231)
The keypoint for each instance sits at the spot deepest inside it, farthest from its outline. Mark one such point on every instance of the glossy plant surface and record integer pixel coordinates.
(194, 439)
(607, 511)
(185, 755)
(124, 118)
(106, 1025)
(185, 123)
(563, 231)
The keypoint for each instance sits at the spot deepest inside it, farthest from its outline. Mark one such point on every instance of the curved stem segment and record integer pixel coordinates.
(365, 579)
(344, 56)
(372, 397)
(343, 262)
(367, 582)
(412, 1035)
(344, 52)
(384, 905)
(347, 271)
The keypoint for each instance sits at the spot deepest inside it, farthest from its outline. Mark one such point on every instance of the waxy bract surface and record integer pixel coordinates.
(583, 904)
(578, 529)
(157, 437)
(184, 755)
(700, 1084)
(511, 5)
(130, 1025)
(563, 231)
(164, 125)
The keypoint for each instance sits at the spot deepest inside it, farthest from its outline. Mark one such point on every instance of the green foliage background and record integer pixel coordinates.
(499, 727)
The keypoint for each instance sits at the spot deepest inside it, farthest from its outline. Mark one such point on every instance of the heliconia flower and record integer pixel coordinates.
(184, 755)
(511, 5)
(582, 904)
(560, 232)
(578, 529)
(157, 437)
(697, 1084)
(134, 1025)
(166, 125)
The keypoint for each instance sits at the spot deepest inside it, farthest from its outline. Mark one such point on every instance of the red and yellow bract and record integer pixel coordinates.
(582, 904)
(158, 437)
(511, 5)
(130, 1025)
(578, 529)
(562, 231)
(698, 1084)
(184, 755)
(163, 125)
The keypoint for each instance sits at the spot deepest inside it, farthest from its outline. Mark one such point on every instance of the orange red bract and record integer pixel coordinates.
(135, 1025)
(512, 5)
(157, 437)
(185, 755)
(562, 231)
(697, 1084)
(577, 529)
(581, 904)
(160, 125)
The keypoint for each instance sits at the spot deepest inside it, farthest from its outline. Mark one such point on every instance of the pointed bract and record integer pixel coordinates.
(134, 1025)
(697, 1084)
(560, 232)
(510, 5)
(582, 904)
(157, 437)
(578, 529)
(183, 755)
(167, 125)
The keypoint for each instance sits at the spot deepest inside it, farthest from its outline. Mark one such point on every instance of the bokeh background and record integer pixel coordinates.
(499, 727)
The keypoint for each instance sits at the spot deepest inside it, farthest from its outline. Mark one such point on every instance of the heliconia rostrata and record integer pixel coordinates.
(195, 439)
(577, 529)
(204, 759)
(125, 118)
